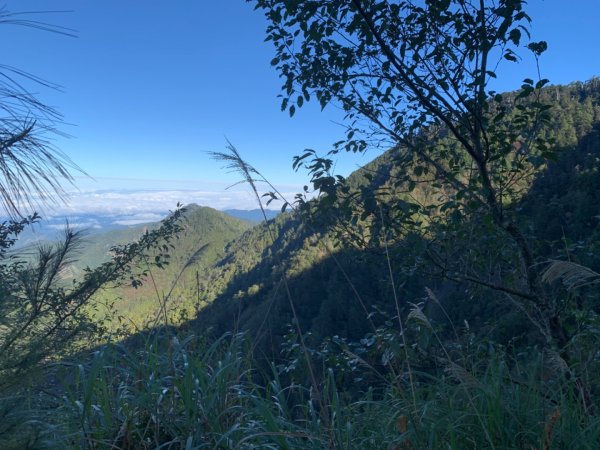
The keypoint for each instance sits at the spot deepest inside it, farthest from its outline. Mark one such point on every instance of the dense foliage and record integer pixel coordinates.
(342, 242)
(443, 296)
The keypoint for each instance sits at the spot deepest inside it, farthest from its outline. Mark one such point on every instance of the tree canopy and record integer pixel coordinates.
(415, 76)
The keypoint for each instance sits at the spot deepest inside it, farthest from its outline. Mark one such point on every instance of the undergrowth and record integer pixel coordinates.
(182, 392)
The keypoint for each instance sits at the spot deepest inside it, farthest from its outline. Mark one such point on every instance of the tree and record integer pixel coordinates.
(415, 76)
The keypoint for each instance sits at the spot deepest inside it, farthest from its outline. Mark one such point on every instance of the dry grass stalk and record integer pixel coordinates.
(417, 314)
(462, 375)
(573, 276)
(549, 428)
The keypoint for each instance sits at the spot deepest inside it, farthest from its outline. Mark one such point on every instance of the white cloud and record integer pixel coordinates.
(151, 205)
(132, 201)
(85, 225)
(130, 222)
(136, 219)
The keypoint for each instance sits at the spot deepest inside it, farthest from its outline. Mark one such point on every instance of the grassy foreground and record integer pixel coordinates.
(180, 392)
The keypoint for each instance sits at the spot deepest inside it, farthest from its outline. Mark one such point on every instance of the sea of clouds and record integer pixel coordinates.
(134, 204)
(102, 204)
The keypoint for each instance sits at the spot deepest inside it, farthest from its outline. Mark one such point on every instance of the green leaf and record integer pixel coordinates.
(515, 36)
(540, 84)
(538, 47)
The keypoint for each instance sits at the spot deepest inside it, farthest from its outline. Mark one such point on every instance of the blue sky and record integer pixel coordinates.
(150, 86)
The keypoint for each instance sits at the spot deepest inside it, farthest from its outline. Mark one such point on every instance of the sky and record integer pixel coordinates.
(149, 87)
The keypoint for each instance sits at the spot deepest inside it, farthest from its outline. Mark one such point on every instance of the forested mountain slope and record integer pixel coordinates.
(336, 265)
(201, 243)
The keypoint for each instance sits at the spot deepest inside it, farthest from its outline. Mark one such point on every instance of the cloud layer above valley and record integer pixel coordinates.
(137, 203)
(150, 201)
(96, 204)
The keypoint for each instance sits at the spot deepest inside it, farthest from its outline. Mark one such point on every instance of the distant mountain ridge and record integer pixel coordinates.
(252, 215)
(205, 234)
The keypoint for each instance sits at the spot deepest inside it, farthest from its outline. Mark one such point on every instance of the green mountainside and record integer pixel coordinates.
(335, 285)
(201, 243)
(335, 264)
(229, 274)
(96, 248)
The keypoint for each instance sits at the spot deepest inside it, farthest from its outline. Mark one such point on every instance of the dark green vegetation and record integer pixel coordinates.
(444, 296)
(320, 255)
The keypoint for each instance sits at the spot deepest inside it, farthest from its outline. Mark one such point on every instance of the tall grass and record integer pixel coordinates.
(184, 392)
